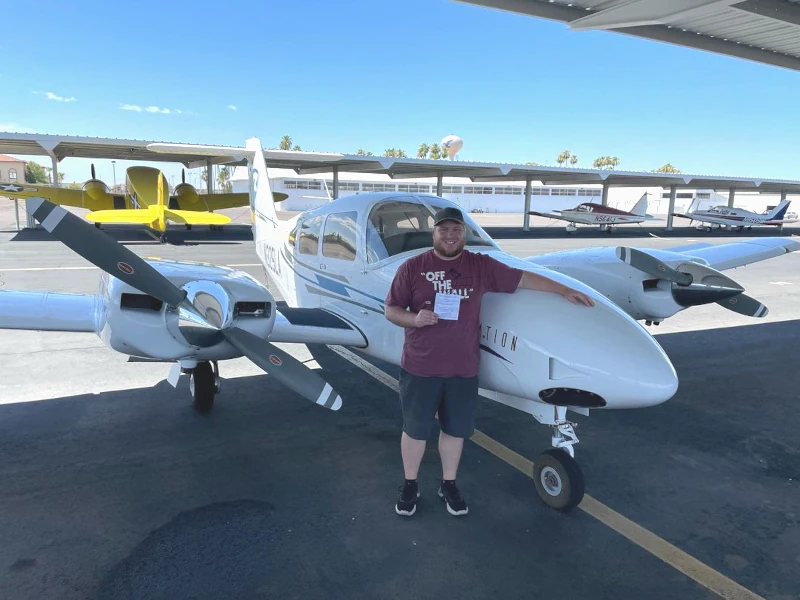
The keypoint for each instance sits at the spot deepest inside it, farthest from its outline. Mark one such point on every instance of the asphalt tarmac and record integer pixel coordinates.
(112, 487)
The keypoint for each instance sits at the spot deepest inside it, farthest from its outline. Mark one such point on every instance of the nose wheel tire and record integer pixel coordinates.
(558, 479)
(203, 386)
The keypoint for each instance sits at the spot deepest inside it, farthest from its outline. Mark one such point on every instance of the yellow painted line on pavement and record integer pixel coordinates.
(645, 539)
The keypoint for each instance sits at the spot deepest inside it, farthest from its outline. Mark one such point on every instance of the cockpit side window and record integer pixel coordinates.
(308, 240)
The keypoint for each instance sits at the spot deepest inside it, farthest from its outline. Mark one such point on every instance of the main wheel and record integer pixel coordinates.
(163, 238)
(558, 479)
(203, 387)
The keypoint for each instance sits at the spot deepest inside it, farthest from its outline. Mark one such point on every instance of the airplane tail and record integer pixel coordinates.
(693, 206)
(640, 208)
(779, 211)
(262, 202)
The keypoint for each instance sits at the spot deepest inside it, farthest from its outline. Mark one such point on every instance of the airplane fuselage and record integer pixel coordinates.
(524, 352)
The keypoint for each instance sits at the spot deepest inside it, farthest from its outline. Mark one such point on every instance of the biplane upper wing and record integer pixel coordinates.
(56, 195)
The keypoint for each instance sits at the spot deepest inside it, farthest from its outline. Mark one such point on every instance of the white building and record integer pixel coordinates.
(310, 191)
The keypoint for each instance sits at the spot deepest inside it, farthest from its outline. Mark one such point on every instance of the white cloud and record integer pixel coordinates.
(231, 106)
(16, 128)
(52, 96)
(151, 109)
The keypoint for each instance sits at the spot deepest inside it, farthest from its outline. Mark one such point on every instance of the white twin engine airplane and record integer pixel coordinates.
(333, 265)
(738, 218)
(591, 213)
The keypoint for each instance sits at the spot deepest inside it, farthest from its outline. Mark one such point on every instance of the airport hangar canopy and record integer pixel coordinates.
(765, 31)
(58, 147)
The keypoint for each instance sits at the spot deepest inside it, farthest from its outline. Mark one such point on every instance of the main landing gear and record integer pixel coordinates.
(556, 475)
(204, 384)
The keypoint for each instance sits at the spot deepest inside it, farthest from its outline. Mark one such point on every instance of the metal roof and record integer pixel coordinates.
(766, 31)
(196, 155)
(415, 168)
(67, 146)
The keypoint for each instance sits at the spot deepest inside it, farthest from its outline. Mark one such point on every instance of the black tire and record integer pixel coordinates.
(558, 479)
(188, 226)
(203, 387)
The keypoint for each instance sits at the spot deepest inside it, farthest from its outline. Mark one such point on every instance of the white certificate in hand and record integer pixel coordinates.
(447, 306)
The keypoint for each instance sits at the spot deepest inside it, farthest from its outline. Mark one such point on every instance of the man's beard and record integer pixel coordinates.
(448, 250)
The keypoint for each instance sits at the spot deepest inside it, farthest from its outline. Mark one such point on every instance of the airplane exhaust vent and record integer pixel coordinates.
(571, 397)
(261, 310)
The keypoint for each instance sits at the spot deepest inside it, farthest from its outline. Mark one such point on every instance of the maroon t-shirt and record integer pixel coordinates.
(449, 348)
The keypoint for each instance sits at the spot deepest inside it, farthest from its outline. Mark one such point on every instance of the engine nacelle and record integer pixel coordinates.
(96, 195)
(140, 325)
(187, 198)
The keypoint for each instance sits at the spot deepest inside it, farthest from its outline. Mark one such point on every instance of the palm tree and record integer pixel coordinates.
(423, 150)
(286, 143)
(224, 180)
(573, 160)
(297, 148)
(533, 164)
(613, 162)
(600, 162)
(436, 152)
(667, 168)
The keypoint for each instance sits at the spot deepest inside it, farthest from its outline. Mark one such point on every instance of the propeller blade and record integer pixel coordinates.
(93, 177)
(650, 264)
(183, 175)
(102, 251)
(698, 294)
(285, 368)
(745, 305)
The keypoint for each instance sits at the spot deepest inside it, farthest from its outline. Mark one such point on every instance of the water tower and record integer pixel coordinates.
(452, 143)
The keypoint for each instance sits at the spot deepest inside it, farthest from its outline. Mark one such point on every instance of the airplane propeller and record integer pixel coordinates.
(203, 314)
(93, 175)
(714, 287)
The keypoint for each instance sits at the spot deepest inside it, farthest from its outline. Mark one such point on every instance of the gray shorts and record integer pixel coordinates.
(453, 398)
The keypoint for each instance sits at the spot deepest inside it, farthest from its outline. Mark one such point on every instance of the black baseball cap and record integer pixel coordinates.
(448, 214)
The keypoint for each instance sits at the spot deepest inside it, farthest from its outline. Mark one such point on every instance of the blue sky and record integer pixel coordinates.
(338, 76)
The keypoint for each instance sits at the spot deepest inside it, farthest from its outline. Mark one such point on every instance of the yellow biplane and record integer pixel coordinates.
(144, 202)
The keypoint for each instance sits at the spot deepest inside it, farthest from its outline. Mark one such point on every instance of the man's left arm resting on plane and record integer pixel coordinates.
(532, 281)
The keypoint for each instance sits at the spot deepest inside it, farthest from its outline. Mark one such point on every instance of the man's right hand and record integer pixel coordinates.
(425, 318)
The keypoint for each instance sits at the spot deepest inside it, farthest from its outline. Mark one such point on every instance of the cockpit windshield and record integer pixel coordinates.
(397, 226)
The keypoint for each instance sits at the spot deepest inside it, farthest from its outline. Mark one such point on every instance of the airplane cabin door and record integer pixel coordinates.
(341, 265)
(310, 276)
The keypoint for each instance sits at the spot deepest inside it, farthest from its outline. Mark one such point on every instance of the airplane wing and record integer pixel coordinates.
(738, 254)
(547, 215)
(233, 200)
(56, 195)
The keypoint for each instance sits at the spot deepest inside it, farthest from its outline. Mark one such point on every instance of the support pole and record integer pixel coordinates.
(335, 182)
(731, 196)
(604, 199)
(672, 195)
(49, 147)
(526, 217)
(439, 183)
(16, 211)
(783, 198)
(209, 182)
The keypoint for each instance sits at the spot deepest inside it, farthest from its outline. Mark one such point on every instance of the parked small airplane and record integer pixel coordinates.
(144, 203)
(739, 218)
(591, 213)
(333, 266)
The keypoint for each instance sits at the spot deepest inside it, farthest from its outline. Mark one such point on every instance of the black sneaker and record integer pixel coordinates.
(407, 502)
(452, 497)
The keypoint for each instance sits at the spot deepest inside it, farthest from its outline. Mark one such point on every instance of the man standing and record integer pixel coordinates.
(439, 367)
